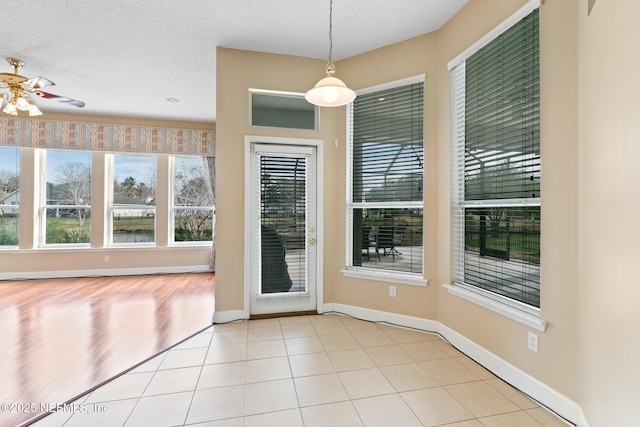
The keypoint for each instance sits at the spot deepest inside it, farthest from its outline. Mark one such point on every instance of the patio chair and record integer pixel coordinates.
(385, 241)
(366, 240)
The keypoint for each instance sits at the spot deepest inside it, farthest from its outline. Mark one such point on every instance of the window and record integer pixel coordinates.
(9, 195)
(192, 201)
(283, 110)
(67, 204)
(496, 167)
(385, 188)
(133, 202)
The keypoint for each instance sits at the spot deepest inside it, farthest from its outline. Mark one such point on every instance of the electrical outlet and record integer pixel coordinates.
(106, 258)
(392, 291)
(533, 342)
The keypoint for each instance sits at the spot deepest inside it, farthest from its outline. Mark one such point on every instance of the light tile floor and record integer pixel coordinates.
(327, 370)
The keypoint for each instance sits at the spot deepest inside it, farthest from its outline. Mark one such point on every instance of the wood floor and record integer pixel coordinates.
(61, 337)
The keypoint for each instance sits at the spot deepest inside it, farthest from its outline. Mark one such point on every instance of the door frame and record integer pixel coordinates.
(318, 144)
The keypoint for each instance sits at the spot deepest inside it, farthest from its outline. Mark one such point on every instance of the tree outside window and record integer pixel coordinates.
(192, 202)
(9, 195)
(67, 206)
(133, 203)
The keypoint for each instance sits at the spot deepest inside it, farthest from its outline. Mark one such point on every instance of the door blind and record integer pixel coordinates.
(283, 221)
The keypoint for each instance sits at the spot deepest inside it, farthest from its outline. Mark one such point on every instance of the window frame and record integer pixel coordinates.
(5, 207)
(512, 308)
(43, 156)
(111, 206)
(386, 275)
(173, 208)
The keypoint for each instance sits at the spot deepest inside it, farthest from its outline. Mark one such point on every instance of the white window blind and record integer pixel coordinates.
(283, 223)
(496, 166)
(386, 160)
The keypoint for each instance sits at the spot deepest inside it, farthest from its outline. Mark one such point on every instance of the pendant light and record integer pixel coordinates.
(330, 91)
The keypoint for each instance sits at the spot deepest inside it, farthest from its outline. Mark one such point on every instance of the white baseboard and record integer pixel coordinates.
(103, 272)
(229, 316)
(534, 388)
(383, 316)
(524, 382)
(582, 420)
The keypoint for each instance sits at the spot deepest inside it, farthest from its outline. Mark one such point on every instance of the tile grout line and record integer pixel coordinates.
(195, 388)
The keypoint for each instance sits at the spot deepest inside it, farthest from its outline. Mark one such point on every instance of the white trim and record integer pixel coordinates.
(385, 276)
(513, 313)
(281, 149)
(57, 274)
(390, 85)
(582, 420)
(387, 205)
(229, 316)
(547, 396)
(501, 203)
(524, 382)
(371, 315)
(275, 92)
(495, 32)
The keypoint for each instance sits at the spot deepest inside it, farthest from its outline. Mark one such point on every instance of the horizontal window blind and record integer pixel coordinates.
(283, 216)
(496, 165)
(502, 116)
(388, 145)
(386, 160)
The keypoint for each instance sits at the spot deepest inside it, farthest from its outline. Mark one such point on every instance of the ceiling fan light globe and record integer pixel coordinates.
(22, 104)
(11, 108)
(34, 110)
(330, 92)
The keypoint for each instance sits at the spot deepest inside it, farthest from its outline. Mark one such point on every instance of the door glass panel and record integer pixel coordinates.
(283, 222)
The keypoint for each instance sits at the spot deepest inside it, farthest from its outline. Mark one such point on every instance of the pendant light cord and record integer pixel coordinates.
(330, 29)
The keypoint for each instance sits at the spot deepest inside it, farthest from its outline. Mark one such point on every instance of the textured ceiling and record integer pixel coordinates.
(125, 58)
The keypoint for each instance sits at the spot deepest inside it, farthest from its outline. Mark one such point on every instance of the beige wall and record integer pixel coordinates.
(609, 294)
(591, 169)
(555, 363)
(237, 72)
(411, 58)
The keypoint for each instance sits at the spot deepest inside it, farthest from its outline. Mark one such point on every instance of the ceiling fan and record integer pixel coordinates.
(22, 88)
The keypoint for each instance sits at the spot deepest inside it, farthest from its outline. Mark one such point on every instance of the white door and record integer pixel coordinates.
(283, 230)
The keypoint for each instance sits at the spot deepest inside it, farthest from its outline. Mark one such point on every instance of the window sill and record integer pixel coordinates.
(385, 276)
(499, 307)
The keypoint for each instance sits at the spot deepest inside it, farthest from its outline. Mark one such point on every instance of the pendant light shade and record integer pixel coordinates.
(330, 91)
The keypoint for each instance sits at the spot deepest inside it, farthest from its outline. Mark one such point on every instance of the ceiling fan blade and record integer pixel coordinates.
(47, 95)
(38, 82)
